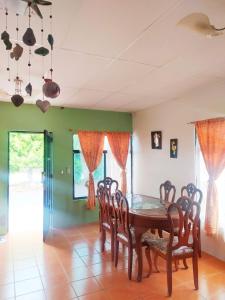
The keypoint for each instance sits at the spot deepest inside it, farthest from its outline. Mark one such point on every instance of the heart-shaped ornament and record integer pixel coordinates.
(43, 105)
(17, 100)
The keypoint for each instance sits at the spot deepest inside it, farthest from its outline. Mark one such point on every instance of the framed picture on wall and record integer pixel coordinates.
(173, 148)
(156, 138)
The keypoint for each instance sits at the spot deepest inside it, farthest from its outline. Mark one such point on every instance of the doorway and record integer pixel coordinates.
(26, 164)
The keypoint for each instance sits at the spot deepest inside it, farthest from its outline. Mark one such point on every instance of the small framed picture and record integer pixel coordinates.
(156, 137)
(173, 148)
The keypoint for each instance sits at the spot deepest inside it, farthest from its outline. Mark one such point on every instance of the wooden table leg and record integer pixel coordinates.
(138, 249)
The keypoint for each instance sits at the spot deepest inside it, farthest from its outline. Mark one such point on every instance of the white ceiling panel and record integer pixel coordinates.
(118, 75)
(107, 27)
(87, 98)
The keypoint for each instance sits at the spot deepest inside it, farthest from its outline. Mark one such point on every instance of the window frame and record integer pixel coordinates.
(105, 167)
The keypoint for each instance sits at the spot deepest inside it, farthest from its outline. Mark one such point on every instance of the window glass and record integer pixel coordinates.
(107, 167)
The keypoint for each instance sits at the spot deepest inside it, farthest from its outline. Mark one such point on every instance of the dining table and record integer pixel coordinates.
(145, 212)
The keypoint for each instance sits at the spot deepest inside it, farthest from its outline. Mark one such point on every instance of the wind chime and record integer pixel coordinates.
(50, 88)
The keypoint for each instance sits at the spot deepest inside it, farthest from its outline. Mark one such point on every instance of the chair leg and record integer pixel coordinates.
(112, 245)
(169, 275)
(130, 262)
(195, 269)
(116, 252)
(199, 242)
(103, 238)
(155, 260)
(148, 256)
(176, 263)
(185, 263)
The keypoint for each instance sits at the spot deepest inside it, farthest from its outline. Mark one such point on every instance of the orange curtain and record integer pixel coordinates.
(211, 136)
(119, 144)
(92, 144)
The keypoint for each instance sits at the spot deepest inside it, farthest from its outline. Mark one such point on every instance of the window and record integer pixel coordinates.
(107, 167)
(202, 180)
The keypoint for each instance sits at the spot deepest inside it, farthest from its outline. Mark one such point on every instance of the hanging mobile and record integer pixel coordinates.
(50, 88)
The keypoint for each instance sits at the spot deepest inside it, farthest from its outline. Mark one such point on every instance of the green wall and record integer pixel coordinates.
(67, 212)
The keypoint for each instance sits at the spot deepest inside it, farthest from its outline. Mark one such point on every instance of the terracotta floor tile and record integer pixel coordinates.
(86, 286)
(28, 286)
(54, 279)
(32, 296)
(101, 295)
(7, 291)
(79, 273)
(60, 292)
(27, 273)
(86, 251)
(6, 277)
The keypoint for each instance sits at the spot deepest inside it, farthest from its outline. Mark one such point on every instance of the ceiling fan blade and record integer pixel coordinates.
(16, 6)
(200, 23)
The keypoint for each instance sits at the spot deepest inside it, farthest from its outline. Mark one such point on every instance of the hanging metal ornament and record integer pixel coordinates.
(50, 88)
(29, 37)
(17, 99)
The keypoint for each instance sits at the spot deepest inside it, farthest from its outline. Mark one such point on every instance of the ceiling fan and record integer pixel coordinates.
(200, 23)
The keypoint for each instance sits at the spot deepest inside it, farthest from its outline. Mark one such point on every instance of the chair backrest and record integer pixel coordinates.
(104, 206)
(121, 208)
(192, 192)
(185, 203)
(110, 185)
(167, 192)
(186, 221)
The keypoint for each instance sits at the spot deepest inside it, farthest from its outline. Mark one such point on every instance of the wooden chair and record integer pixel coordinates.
(105, 189)
(124, 233)
(167, 192)
(196, 195)
(106, 219)
(178, 246)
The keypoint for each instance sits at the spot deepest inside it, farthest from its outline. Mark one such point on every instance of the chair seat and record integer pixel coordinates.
(160, 244)
(132, 230)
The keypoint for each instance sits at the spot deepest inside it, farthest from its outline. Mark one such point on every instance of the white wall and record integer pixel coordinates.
(152, 167)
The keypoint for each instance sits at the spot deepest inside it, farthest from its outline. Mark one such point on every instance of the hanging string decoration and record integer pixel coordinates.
(17, 99)
(6, 40)
(50, 88)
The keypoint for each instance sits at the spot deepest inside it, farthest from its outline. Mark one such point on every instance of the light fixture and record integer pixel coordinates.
(200, 23)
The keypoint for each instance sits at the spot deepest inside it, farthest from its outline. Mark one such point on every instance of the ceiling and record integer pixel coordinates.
(119, 55)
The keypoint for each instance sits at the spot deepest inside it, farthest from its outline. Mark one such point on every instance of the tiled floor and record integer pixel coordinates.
(71, 266)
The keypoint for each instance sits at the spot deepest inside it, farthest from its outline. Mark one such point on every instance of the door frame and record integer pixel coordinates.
(8, 170)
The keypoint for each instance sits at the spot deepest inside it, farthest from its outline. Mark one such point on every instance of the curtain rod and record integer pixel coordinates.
(219, 119)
